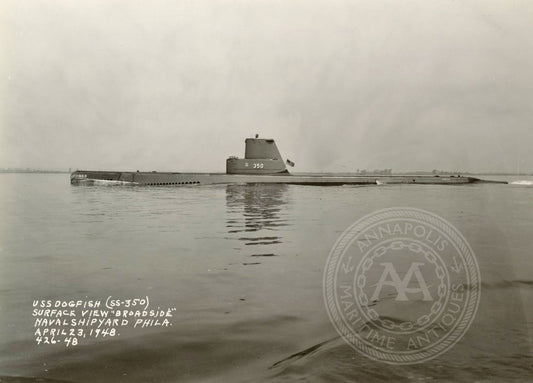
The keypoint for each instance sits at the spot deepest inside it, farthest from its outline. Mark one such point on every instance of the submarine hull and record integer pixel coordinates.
(262, 163)
(85, 177)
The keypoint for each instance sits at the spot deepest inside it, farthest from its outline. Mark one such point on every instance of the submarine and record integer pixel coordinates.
(262, 163)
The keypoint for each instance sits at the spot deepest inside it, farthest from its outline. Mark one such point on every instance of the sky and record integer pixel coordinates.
(340, 85)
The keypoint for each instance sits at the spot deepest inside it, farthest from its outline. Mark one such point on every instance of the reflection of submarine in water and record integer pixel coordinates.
(255, 213)
(262, 163)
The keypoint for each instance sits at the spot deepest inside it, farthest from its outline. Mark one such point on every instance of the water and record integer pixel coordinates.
(243, 266)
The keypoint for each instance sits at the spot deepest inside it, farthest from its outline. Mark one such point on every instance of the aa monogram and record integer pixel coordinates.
(401, 285)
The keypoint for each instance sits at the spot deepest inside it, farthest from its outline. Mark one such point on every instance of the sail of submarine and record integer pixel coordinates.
(262, 163)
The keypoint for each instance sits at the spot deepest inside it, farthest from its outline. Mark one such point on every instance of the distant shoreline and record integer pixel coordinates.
(36, 171)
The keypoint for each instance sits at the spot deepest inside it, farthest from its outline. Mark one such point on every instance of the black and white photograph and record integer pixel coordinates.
(266, 191)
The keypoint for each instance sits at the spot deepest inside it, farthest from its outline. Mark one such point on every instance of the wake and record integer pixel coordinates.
(522, 183)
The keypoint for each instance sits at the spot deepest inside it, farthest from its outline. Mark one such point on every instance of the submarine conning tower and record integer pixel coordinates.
(261, 156)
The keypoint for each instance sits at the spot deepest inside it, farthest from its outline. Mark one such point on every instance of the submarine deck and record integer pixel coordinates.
(183, 179)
